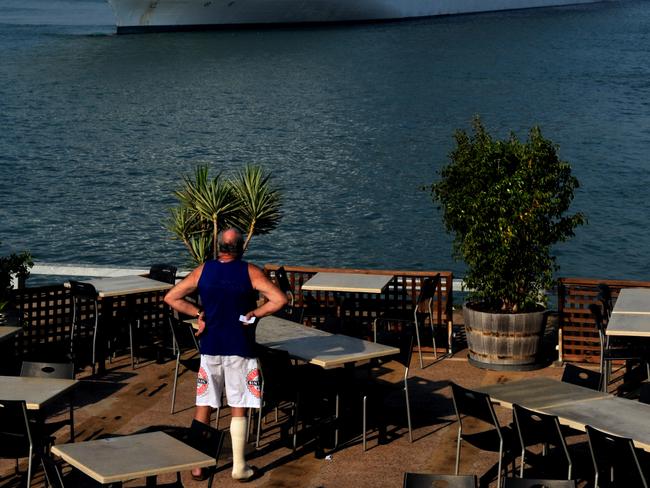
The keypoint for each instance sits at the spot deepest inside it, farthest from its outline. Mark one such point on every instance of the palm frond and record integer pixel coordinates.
(259, 203)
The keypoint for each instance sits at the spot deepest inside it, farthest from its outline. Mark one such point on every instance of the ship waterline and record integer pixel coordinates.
(159, 15)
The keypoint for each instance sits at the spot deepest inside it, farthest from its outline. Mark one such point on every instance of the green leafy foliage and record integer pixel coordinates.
(14, 264)
(207, 205)
(259, 204)
(505, 201)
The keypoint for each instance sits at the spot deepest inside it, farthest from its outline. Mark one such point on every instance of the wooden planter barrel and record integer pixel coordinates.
(504, 341)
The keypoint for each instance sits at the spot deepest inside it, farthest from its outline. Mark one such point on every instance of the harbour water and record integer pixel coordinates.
(98, 129)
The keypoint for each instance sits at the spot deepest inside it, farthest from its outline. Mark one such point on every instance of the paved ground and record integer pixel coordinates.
(125, 401)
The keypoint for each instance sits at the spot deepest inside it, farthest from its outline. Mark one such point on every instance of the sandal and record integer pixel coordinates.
(200, 477)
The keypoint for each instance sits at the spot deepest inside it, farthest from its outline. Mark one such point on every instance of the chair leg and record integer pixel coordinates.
(131, 343)
(259, 424)
(295, 426)
(71, 422)
(95, 341)
(458, 441)
(417, 336)
(433, 336)
(500, 464)
(178, 360)
(29, 468)
(523, 462)
(408, 410)
(336, 417)
(363, 427)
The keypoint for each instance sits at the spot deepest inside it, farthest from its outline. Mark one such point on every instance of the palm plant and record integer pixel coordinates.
(258, 210)
(207, 204)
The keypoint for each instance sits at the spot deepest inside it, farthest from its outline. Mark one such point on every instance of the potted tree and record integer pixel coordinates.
(506, 203)
(206, 205)
(13, 266)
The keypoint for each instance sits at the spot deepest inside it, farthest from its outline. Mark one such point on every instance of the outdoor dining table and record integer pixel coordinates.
(315, 346)
(36, 392)
(631, 314)
(341, 283)
(125, 285)
(347, 282)
(109, 288)
(576, 406)
(7, 332)
(115, 460)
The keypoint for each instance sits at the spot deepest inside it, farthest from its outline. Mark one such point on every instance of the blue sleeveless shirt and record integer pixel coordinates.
(226, 293)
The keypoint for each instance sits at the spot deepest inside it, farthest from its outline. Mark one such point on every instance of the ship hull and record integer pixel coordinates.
(161, 15)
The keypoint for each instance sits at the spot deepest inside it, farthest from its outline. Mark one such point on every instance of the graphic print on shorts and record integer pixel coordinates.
(253, 383)
(201, 382)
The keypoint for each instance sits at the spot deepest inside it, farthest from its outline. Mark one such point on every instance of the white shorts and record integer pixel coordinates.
(240, 376)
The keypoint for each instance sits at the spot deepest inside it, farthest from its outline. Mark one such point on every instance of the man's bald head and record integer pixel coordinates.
(231, 242)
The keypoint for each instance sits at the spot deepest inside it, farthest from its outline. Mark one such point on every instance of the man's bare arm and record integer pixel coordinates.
(175, 297)
(276, 299)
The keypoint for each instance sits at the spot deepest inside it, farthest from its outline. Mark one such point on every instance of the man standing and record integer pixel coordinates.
(228, 288)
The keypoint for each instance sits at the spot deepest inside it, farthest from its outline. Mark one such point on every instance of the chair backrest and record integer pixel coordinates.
(597, 312)
(283, 280)
(538, 483)
(182, 332)
(428, 289)
(47, 370)
(403, 340)
(285, 285)
(206, 439)
(576, 375)
(52, 472)
(276, 372)
(536, 428)
(163, 272)
(605, 298)
(615, 460)
(473, 404)
(15, 435)
(426, 480)
(79, 289)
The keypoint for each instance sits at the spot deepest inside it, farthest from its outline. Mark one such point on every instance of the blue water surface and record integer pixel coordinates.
(97, 129)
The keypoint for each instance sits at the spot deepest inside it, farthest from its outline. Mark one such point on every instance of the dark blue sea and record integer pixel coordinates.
(96, 129)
